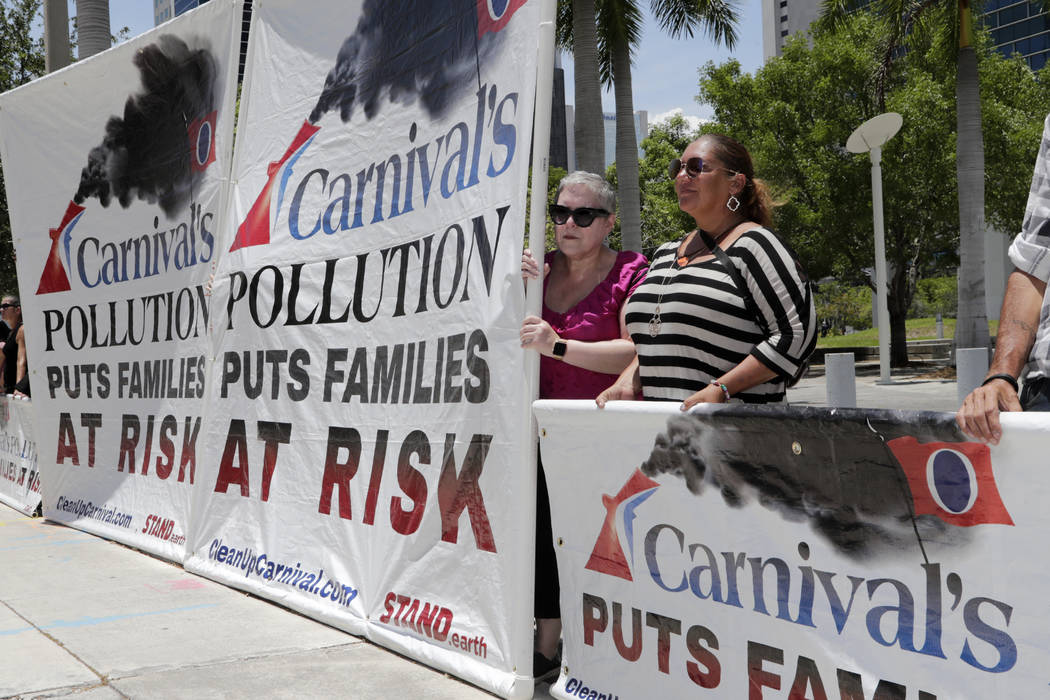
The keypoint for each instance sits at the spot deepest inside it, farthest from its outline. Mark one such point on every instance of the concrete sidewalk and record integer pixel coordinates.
(82, 616)
(911, 389)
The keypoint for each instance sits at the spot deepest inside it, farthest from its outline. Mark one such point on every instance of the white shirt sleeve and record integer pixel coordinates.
(1030, 251)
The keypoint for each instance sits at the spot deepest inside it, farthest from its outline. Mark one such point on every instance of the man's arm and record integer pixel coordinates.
(1018, 321)
(23, 362)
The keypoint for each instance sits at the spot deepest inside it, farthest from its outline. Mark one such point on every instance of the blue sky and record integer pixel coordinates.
(665, 77)
(665, 70)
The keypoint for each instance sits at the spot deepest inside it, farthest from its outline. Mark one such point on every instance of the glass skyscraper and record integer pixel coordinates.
(1016, 27)
(1019, 27)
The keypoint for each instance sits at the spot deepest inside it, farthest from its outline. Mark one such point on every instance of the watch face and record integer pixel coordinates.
(559, 348)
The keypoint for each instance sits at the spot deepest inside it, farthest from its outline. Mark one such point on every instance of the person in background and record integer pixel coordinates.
(725, 312)
(1022, 346)
(584, 345)
(13, 365)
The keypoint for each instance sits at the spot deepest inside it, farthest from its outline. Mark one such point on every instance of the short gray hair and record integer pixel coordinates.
(597, 184)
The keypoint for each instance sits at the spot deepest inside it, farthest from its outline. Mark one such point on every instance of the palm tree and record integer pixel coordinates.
(92, 27)
(946, 23)
(619, 25)
(621, 29)
(971, 326)
(578, 31)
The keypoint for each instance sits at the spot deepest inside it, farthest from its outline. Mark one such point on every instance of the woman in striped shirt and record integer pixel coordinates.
(700, 336)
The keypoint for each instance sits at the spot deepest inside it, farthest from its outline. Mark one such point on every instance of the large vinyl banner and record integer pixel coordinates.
(773, 552)
(19, 475)
(114, 170)
(368, 396)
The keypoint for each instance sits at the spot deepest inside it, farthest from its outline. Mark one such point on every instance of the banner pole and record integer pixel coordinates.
(541, 129)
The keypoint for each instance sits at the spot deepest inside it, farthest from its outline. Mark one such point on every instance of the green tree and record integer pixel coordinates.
(1014, 102)
(796, 113)
(946, 26)
(662, 220)
(21, 60)
(935, 295)
(841, 305)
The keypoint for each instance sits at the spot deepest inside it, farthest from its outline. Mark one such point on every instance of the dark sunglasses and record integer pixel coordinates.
(9, 306)
(693, 167)
(584, 216)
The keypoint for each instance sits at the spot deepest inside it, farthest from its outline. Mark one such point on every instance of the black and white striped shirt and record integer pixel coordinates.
(705, 326)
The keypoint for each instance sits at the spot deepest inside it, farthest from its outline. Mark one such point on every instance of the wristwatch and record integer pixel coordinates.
(560, 346)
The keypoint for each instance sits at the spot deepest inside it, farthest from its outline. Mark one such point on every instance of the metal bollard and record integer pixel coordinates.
(971, 364)
(841, 378)
(940, 327)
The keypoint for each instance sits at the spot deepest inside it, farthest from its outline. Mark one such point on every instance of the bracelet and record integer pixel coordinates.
(723, 387)
(1006, 378)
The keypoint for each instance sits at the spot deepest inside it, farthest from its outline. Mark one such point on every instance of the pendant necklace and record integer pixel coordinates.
(655, 323)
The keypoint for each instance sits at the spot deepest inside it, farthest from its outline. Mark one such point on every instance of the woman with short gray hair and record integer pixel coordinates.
(584, 345)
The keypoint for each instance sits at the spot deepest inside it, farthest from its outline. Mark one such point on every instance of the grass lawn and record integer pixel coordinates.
(918, 329)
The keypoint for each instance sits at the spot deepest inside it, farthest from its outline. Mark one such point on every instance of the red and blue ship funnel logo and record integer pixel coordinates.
(608, 556)
(952, 481)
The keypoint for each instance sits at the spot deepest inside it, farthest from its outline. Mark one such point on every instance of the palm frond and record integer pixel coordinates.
(619, 26)
(833, 14)
(563, 25)
(682, 17)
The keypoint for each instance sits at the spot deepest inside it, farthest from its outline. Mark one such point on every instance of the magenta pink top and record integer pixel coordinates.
(596, 317)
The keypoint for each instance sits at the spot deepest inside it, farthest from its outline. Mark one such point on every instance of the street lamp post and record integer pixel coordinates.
(869, 137)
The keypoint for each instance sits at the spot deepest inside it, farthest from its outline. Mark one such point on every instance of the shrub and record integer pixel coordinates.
(843, 306)
(935, 295)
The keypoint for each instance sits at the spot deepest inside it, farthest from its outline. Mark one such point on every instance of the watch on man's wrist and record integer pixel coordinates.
(560, 346)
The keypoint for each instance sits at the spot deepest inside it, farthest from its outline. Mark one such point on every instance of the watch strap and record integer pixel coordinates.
(1008, 378)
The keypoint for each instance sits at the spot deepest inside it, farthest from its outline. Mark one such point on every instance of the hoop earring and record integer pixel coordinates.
(733, 203)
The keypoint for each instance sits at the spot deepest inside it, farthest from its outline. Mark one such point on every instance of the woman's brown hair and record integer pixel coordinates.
(755, 201)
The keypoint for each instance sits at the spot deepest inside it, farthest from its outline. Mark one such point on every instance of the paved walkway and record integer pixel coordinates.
(917, 389)
(81, 616)
(84, 617)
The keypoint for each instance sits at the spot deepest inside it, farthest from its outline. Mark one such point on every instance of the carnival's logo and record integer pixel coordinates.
(255, 229)
(608, 556)
(151, 153)
(493, 15)
(435, 49)
(54, 278)
(951, 480)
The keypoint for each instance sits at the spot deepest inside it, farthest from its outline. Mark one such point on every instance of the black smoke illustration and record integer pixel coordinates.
(407, 50)
(829, 467)
(146, 153)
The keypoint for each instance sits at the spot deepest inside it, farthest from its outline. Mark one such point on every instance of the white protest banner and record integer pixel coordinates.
(19, 477)
(115, 170)
(368, 393)
(778, 552)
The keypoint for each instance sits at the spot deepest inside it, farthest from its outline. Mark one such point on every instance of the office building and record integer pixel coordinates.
(641, 130)
(1019, 27)
(783, 18)
(163, 10)
(1016, 27)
